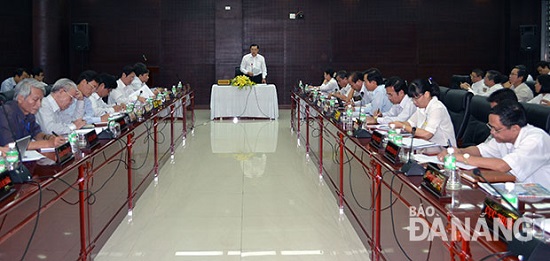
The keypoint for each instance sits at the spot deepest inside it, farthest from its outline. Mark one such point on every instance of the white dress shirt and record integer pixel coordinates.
(528, 157)
(99, 107)
(50, 118)
(523, 92)
(435, 119)
(345, 91)
(478, 88)
(329, 87)
(121, 94)
(399, 112)
(492, 89)
(8, 85)
(375, 100)
(256, 65)
(540, 97)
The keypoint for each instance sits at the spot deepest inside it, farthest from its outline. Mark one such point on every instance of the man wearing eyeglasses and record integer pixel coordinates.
(516, 147)
(50, 116)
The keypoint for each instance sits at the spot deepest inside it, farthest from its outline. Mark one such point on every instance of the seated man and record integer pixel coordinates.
(17, 117)
(9, 83)
(516, 82)
(346, 92)
(543, 67)
(516, 147)
(106, 83)
(492, 81)
(122, 94)
(403, 107)
(477, 87)
(51, 117)
(375, 99)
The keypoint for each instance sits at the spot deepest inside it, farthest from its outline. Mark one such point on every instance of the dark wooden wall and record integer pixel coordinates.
(199, 42)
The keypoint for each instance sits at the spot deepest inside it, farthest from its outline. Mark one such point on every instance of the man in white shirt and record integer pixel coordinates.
(355, 79)
(516, 147)
(516, 82)
(50, 116)
(477, 87)
(253, 65)
(345, 93)
(9, 83)
(375, 99)
(106, 84)
(402, 108)
(123, 93)
(492, 81)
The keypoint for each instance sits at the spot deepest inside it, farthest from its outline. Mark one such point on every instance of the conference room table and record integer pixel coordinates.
(69, 210)
(258, 101)
(381, 202)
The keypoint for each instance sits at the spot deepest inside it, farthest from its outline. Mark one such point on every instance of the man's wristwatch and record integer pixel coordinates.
(466, 156)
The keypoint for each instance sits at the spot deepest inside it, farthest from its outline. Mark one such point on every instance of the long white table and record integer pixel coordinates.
(259, 101)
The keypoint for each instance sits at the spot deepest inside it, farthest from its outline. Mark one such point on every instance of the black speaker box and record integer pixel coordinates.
(527, 34)
(80, 38)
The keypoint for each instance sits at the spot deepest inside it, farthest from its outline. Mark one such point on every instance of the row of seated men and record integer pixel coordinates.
(511, 144)
(46, 113)
(519, 80)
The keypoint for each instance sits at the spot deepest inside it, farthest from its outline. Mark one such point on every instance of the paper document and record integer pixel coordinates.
(417, 143)
(32, 155)
(421, 158)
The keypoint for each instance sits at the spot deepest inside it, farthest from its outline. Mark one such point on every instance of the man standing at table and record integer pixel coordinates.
(253, 65)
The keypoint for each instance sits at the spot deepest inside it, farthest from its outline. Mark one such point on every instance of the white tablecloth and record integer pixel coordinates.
(259, 101)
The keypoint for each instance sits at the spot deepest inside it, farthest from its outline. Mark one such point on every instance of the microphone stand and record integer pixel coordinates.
(412, 168)
(477, 172)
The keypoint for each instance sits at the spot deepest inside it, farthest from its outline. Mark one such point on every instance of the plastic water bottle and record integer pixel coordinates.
(174, 90)
(12, 157)
(391, 133)
(398, 138)
(2, 163)
(453, 182)
(510, 195)
(180, 86)
(73, 141)
(301, 85)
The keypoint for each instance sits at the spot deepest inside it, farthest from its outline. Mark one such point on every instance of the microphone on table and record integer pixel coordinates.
(360, 132)
(477, 172)
(137, 99)
(412, 168)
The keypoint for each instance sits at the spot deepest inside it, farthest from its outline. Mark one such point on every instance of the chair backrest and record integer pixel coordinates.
(458, 106)
(538, 115)
(238, 71)
(476, 130)
(442, 92)
(456, 80)
(7, 96)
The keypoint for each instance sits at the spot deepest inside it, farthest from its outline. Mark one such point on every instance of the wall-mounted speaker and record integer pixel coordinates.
(80, 38)
(527, 35)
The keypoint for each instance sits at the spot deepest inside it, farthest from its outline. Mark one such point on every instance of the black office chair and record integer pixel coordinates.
(238, 71)
(476, 130)
(456, 80)
(458, 106)
(7, 96)
(442, 92)
(538, 115)
(531, 85)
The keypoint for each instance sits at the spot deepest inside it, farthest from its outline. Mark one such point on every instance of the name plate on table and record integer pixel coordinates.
(63, 153)
(376, 139)
(392, 152)
(91, 139)
(435, 181)
(493, 211)
(337, 115)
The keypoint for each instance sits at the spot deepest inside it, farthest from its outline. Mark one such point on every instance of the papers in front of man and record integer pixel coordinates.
(523, 190)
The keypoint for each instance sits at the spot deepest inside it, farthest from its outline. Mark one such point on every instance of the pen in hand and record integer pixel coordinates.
(55, 134)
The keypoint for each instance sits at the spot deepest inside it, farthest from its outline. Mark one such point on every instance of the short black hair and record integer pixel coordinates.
(510, 112)
(127, 70)
(36, 71)
(356, 76)
(88, 75)
(19, 72)
(420, 86)
(108, 80)
(373, 74)
(397, 83)
(544, 81)
(493, 75)
(140, 69)
(522, 72)
(252, 45)
(542, 64)
(479, 72)
(343, 74)
(501, 95)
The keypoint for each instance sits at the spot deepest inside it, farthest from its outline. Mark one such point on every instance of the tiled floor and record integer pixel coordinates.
(240, 191)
